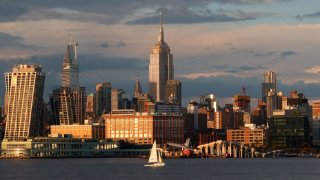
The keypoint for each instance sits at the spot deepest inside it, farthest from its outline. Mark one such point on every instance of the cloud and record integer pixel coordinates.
(9, 12)
(194, 76)
(248, 68)
(263, 54)
(313, 70)
(10, 41)
(188, 16)
(311, 15)
(104, 45)
(236, 69)
(248, 1)
(286, 54)
(131, 12)
(120, 44)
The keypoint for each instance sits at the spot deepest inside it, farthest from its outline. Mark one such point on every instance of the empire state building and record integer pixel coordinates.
(160, 67)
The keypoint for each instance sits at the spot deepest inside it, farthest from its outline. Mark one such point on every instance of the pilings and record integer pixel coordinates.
(229, 149)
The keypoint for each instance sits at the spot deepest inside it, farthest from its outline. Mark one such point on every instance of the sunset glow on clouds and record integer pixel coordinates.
(215, 41)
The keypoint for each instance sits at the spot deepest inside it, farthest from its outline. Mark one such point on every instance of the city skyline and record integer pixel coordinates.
(213, 42)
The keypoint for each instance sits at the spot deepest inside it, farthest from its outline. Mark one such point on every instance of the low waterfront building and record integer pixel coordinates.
(249, 135)
(66, 147)
(79, 131)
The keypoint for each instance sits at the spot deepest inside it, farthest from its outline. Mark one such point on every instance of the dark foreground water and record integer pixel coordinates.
(109, 168)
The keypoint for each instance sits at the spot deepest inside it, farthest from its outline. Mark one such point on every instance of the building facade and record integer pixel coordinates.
(144, 128)
(209, 101)
(116, 99)
(91, 106)
(160, 67)
(137, 89)
(70, 67)
(241, 103)
(316, 124)
(68, 102)
(103, 98)
(24, 91)
(173, 92)
(288, 130)
(269, 85)
(79, 131)
(248, 136)
(68, 105)
(60, 147)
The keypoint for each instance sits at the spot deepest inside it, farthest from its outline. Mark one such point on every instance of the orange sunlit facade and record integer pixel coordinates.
(247, 136)
(79, 131)
(144, 128)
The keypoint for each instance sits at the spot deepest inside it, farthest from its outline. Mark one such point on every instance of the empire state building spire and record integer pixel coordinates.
(161, 33)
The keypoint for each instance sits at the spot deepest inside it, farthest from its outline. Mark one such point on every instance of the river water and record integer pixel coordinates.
(125, 168)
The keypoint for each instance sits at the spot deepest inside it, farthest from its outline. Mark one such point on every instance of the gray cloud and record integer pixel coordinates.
(286, 54)
(236, 69)
(104, 45)
(248, 1)
(247, 68)
(120, 44)
(186, 16)
(263, 54)
(115, 11)
(12, 11)
(311, 15)
(9, 41)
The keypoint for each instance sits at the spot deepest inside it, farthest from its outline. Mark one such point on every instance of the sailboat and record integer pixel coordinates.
(155, 159)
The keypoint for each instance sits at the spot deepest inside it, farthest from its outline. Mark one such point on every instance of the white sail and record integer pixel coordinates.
(153, 154)
(159, 156)
(155, 159)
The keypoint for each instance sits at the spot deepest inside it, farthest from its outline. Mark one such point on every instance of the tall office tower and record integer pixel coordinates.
(160, 67)
(269, 84)
(173, 92)
(103, 98)
(116, 99)
(70, 67)
(24, 90)
(68, 105)
(193, 108)
(91, 106)
(137, 89)
(68, 102)
(209, 101)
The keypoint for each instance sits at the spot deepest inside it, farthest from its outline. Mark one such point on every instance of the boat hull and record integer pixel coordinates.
(155, 164)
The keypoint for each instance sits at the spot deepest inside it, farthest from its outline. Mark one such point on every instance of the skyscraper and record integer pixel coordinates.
(24, 90)
(70, 67)
(116, 99)
(173, 92)
(137, 89)
(160, 67)
(68, 102)
(209, 101)
(91, 106)
(269, 84)
(103, 98)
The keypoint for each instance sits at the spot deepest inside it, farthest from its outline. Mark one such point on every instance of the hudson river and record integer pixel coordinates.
(184, 169)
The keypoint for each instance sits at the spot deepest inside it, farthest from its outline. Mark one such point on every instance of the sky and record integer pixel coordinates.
(218, 46)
